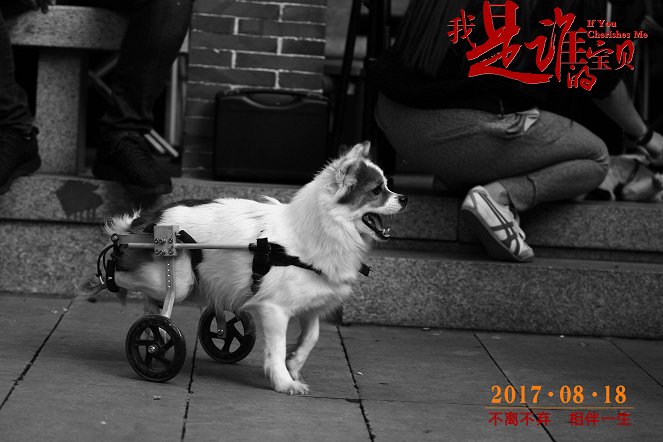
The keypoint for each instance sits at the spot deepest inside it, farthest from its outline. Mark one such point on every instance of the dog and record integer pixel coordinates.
(629, 178)
(329, 225)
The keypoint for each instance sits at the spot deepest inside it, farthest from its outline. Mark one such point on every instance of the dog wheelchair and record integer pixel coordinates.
(155, 347)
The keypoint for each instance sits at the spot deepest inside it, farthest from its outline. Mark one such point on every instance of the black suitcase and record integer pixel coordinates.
(272, 136)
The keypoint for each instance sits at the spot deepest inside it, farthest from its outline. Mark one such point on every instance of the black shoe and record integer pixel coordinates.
(18, 155)
(127, 159)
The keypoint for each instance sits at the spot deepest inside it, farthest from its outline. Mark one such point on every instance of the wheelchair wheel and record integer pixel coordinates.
(222, 340)
(156, 348)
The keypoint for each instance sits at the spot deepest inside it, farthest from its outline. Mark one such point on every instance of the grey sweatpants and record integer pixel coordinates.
(554, 159)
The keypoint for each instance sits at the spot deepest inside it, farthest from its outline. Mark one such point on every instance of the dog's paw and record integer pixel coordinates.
(294, 387)
(294, 366)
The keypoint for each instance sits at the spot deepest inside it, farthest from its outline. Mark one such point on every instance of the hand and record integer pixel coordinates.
(38, 4)
(655, 149)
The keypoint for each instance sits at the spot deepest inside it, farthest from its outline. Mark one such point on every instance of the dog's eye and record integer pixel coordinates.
(377, 190)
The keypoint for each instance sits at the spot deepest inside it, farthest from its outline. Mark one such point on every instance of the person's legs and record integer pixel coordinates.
(18, 141)
(150, 46)
(554, 159)
(14, 110)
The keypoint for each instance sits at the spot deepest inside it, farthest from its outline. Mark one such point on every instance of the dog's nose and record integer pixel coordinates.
(403, 200)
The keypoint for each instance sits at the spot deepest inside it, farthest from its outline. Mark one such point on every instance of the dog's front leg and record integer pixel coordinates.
(275, 325)
(297, 355)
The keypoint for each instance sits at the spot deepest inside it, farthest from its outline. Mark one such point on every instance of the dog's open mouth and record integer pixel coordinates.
(374, 222)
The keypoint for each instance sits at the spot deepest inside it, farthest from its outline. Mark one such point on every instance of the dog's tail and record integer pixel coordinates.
(120, 223)
(86, 288)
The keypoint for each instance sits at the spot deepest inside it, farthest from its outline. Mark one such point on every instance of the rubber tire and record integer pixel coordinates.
(206, 337)
(142, 365)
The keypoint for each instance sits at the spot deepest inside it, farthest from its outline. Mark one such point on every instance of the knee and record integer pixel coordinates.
(600, 157)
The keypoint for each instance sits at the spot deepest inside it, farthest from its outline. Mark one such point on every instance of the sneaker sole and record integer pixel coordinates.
(24, 169)
(490, 241)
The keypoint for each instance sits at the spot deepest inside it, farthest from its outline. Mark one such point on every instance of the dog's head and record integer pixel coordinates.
(359, 192)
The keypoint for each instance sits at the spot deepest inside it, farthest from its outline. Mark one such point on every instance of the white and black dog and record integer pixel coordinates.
(329, 225)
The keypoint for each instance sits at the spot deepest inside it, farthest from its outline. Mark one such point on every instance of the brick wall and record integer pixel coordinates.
(265, 44)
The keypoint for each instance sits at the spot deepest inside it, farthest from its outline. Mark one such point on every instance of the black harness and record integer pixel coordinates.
(266, 255)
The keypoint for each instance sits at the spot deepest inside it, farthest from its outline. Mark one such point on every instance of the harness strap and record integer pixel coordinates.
(268, 254)
(196, 254)
(261, 262)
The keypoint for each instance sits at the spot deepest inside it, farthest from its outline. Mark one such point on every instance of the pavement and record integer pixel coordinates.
(64, 376)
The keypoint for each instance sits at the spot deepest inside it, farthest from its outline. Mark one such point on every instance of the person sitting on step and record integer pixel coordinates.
(149, 47)
(495, 139)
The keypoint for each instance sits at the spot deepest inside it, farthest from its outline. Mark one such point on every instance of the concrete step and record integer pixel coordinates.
(432, 274)
(559, 296)
(430, 221)
(424, 289)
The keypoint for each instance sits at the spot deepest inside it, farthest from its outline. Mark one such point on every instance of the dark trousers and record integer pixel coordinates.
(14, 110)
(150, 45)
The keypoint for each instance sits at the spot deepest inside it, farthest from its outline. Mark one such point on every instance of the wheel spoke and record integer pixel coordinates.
(167, 346)
(157, 334)
(148, 360)
(226, 345)
(232, 321)
(162, 358)
(144, 342)
(237, 335)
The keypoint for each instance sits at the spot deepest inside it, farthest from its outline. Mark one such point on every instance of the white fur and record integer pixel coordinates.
(313, 226)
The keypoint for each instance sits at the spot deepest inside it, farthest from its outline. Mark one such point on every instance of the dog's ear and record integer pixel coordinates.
(346, 177)
(358, 151)
(345, 169)
(345, 173)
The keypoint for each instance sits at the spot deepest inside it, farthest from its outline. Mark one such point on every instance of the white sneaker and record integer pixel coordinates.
(496, 226)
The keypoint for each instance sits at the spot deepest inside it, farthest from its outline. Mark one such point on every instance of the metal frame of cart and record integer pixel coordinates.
(155, 346)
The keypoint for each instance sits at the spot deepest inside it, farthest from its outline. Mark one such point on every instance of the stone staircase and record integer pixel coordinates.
(598, 271)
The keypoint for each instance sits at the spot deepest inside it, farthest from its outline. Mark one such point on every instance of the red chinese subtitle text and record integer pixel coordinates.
(563, 46)
(576, 418)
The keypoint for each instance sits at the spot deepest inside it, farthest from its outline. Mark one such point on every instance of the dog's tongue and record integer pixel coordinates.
(374, 221)
(377, 221)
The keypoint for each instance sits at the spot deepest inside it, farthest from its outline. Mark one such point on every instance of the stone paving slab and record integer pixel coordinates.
(645, 426)
(648, 354)
(326, 370)
(425, 384)
(411, 421)
(368, 383)
(259, 416)
(235, 401)
(18, 346)
(413, 365)
(81, 386)
(593, 364)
